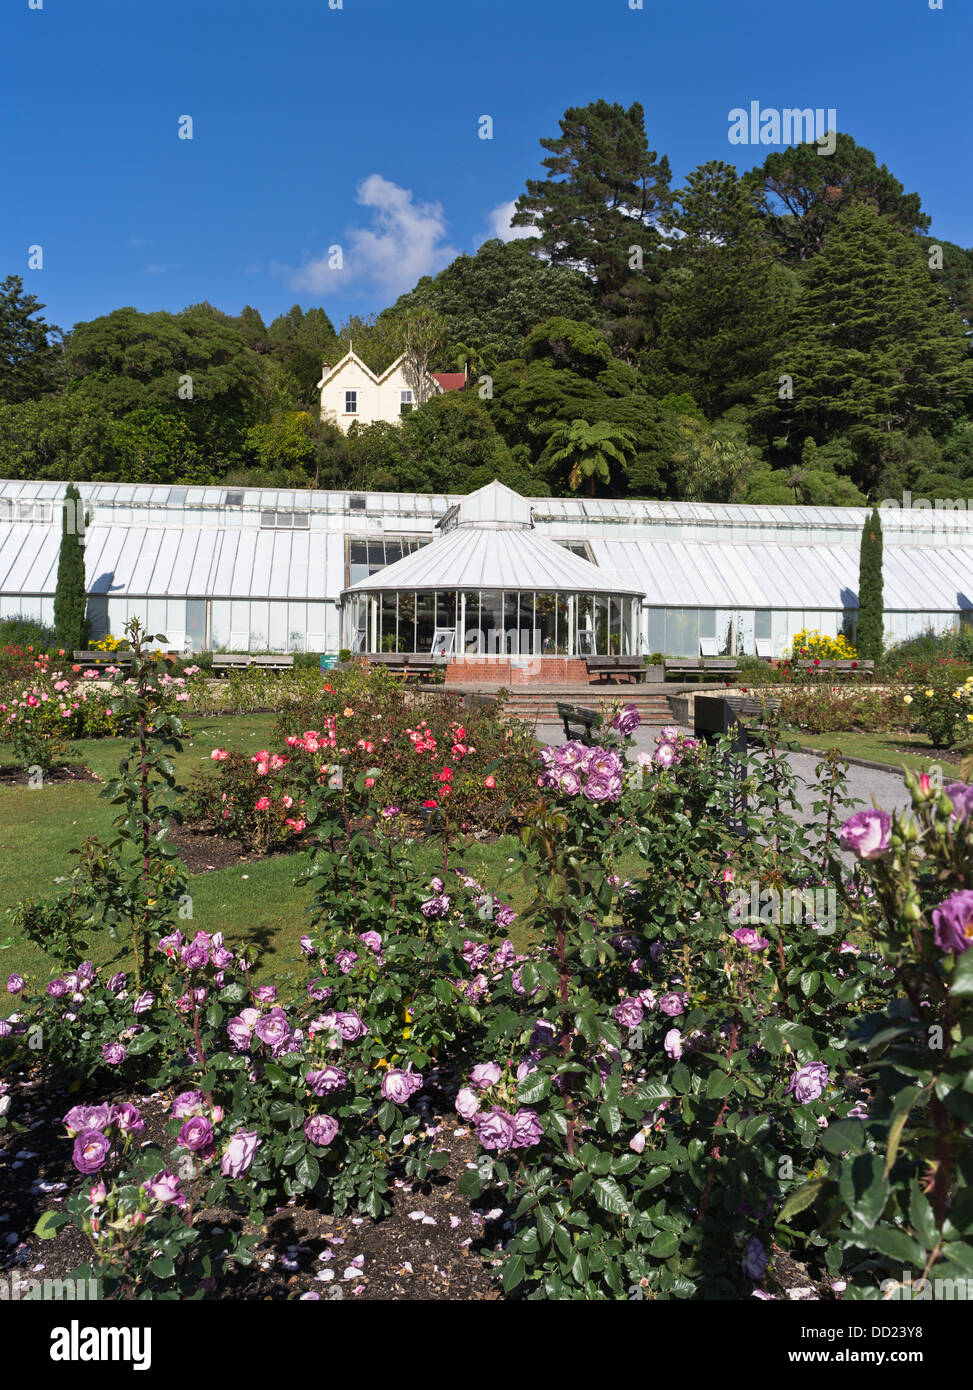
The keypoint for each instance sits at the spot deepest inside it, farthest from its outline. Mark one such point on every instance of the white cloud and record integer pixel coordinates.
(404, 242)
(499, 223)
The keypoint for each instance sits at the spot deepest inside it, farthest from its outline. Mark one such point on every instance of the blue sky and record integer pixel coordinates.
(358, 127)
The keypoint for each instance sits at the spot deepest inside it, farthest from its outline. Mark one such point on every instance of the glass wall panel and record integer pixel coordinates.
(357, 561)
(259, 622)
(297, 628)
(388, 607)
(425, 621)
(473, 639)
(545, 620)
(491, 619)
(196, 623)
(657, 631)
(510, 620)
(277, 628)
(585, 625)
(601, 624)
(615, 631)
(725, 623)
(446, 609)
(561, 637)
(746, 646)
(526, 623)
(761, 623)
(219, 624)
(240, 625)
(707, 622)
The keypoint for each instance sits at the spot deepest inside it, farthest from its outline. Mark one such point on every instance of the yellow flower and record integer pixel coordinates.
(407, 1033)
(929, 693)
(907, 700)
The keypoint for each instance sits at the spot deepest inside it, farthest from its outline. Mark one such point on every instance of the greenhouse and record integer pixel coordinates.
(250, 569)
(493, 587)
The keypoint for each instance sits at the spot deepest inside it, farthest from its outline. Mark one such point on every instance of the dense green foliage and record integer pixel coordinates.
(71, 593)
(870, 602)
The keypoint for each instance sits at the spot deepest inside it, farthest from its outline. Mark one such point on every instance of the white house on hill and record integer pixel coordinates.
(352, 391)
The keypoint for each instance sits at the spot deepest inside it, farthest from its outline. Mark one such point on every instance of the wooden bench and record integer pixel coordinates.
(239, 661)
(604, 666)
(845, 667)
(406, 663)
(98, 661)
(702, 666)
(578, 721)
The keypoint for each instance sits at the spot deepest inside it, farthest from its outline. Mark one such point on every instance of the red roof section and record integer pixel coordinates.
(450, 381)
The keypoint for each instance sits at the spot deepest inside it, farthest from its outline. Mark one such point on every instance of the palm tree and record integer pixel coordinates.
(588, 450)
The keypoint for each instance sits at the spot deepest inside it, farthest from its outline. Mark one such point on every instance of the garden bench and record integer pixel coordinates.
(238, 661)
(604, 666)
(406, 663)
(578, 721)
(702, 666)
(845, 667)
(100, 660)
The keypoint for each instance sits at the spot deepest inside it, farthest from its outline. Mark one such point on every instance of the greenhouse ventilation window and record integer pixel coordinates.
(356, 502)
(234, 499)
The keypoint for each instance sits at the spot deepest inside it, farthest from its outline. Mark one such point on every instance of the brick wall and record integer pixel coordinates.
(505, 670)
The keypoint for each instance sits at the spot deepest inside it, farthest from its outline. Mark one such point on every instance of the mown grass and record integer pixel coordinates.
(256, 901)
(885, 748)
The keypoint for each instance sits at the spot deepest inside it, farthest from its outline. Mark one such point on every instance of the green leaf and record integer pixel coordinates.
(308, 1171)
(961, 982)
(800, 1199)
(142, 1042)
(513, 1273)
(610, 1196)
(864, 1188)
(534, 1087)
(50, 1223)
(665, 1244)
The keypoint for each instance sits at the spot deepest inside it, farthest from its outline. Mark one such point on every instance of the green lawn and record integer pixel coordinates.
(257, 901)
(885, 748)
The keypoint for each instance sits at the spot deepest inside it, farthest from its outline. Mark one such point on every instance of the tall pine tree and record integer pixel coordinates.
(71, 595)
(871, 613)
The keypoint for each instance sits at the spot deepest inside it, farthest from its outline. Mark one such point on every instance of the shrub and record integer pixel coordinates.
(810, 645)
(25, 632)
(941, 707)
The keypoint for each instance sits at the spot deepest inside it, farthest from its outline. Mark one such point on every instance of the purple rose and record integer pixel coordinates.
(372, 939)
(398, 1086)
(475, 953)
(568, 782)
(144, 1002)
(127, 1118)
(435, 907)
(169, 945)
(953, 922)
(321, 1130)
(221, 957)
(467, 1103)
(114, 1054)
(239, 1153)
(629, 1013)
(348, 1025)
(484, 1075)
(318, 990)
(506, 955)
(751, 938)
(527, 1129)
(307, 945)
(195, 956)
(327, 1080)
(665, 755)
(164, 1187)
(505, 917)
(57, 989)
(241, 1036)
(754, 1262)
(265, 993)
(187, 1104)
(273, 1029)
(672, 1004)
(627, 720)
(809, 1082)
(598, 788)
(961, 795)
(345, 960)
(15, 984)
(118, 982)
(82, 1117)
(496, 1129)
(867, 833)
(196, 1134)
(673, 1044)
(91, 1150)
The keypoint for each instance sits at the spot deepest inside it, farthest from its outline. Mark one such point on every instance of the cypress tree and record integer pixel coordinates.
(871, 625)
(70, 595)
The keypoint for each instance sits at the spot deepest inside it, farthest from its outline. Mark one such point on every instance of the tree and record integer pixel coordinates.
(71, 594)
(492, 300)
(301, 342)
(450, 444)
(603, 196)
(587, 452)
(871, 615)
(423, 339)
(30, 349)
(803, 193)
(874, 346)
(714, 462)
(728, 299)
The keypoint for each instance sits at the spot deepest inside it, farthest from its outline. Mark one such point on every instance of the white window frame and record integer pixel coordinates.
(354, 396)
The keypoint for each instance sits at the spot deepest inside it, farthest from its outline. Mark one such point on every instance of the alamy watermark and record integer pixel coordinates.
(790, 125)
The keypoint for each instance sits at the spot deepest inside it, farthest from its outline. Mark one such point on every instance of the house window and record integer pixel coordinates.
(405, 402)
(351, 402)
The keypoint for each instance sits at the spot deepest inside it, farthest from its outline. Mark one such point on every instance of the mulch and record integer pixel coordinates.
(13, 776)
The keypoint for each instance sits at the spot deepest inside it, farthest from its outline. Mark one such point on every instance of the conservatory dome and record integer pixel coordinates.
(491, 585)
